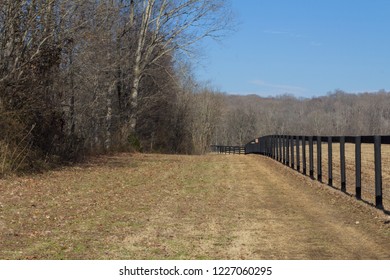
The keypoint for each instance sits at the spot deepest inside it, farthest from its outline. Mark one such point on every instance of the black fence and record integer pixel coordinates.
(228, 149)
(298, 153)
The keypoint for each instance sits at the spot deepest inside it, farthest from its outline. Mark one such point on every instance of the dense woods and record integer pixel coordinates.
(87, 77)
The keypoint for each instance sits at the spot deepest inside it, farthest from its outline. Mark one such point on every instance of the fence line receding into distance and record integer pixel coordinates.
(298, 152)
(228, 149)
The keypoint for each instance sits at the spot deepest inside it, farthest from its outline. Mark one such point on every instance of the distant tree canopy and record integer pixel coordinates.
(338, 113)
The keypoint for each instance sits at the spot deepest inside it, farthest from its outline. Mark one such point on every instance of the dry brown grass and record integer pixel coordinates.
(184, 207)
(104, 209)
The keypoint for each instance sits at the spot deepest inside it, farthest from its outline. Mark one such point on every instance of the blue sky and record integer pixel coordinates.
(302, 47)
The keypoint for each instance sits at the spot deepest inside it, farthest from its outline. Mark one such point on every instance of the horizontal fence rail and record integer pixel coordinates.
(228, 149)
(297, 152)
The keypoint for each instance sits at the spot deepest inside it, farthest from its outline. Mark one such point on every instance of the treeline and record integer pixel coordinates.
(80, 77)
(88, 77)
(338, 113)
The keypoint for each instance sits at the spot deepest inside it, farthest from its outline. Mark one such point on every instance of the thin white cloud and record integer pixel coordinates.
(293, 35)
(272, 88)
(276, 32)
(285, 33)
(315, 44)
(261, 94)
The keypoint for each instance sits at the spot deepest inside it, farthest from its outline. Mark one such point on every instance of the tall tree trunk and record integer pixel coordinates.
(139, 65)
(107, 142)
(134, 99)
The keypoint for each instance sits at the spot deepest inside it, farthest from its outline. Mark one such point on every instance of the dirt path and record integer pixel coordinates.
(302, 219)
(185, 207)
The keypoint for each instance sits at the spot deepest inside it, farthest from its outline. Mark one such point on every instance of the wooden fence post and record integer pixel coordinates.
(274, 147)
(284, 148)
(358, 167)
(304, 154)
(267, 146)
(342, 164)
(330, 162)
(298, 157)
(319, 159)
(311, 157)
(268, 153)
(378, 173)
(292, 152)
(280, 149)
(288, 150)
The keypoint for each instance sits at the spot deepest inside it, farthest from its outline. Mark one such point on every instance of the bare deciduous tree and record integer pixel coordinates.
(163, 27)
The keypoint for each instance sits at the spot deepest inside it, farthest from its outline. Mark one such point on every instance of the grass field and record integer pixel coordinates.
(184, 207)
